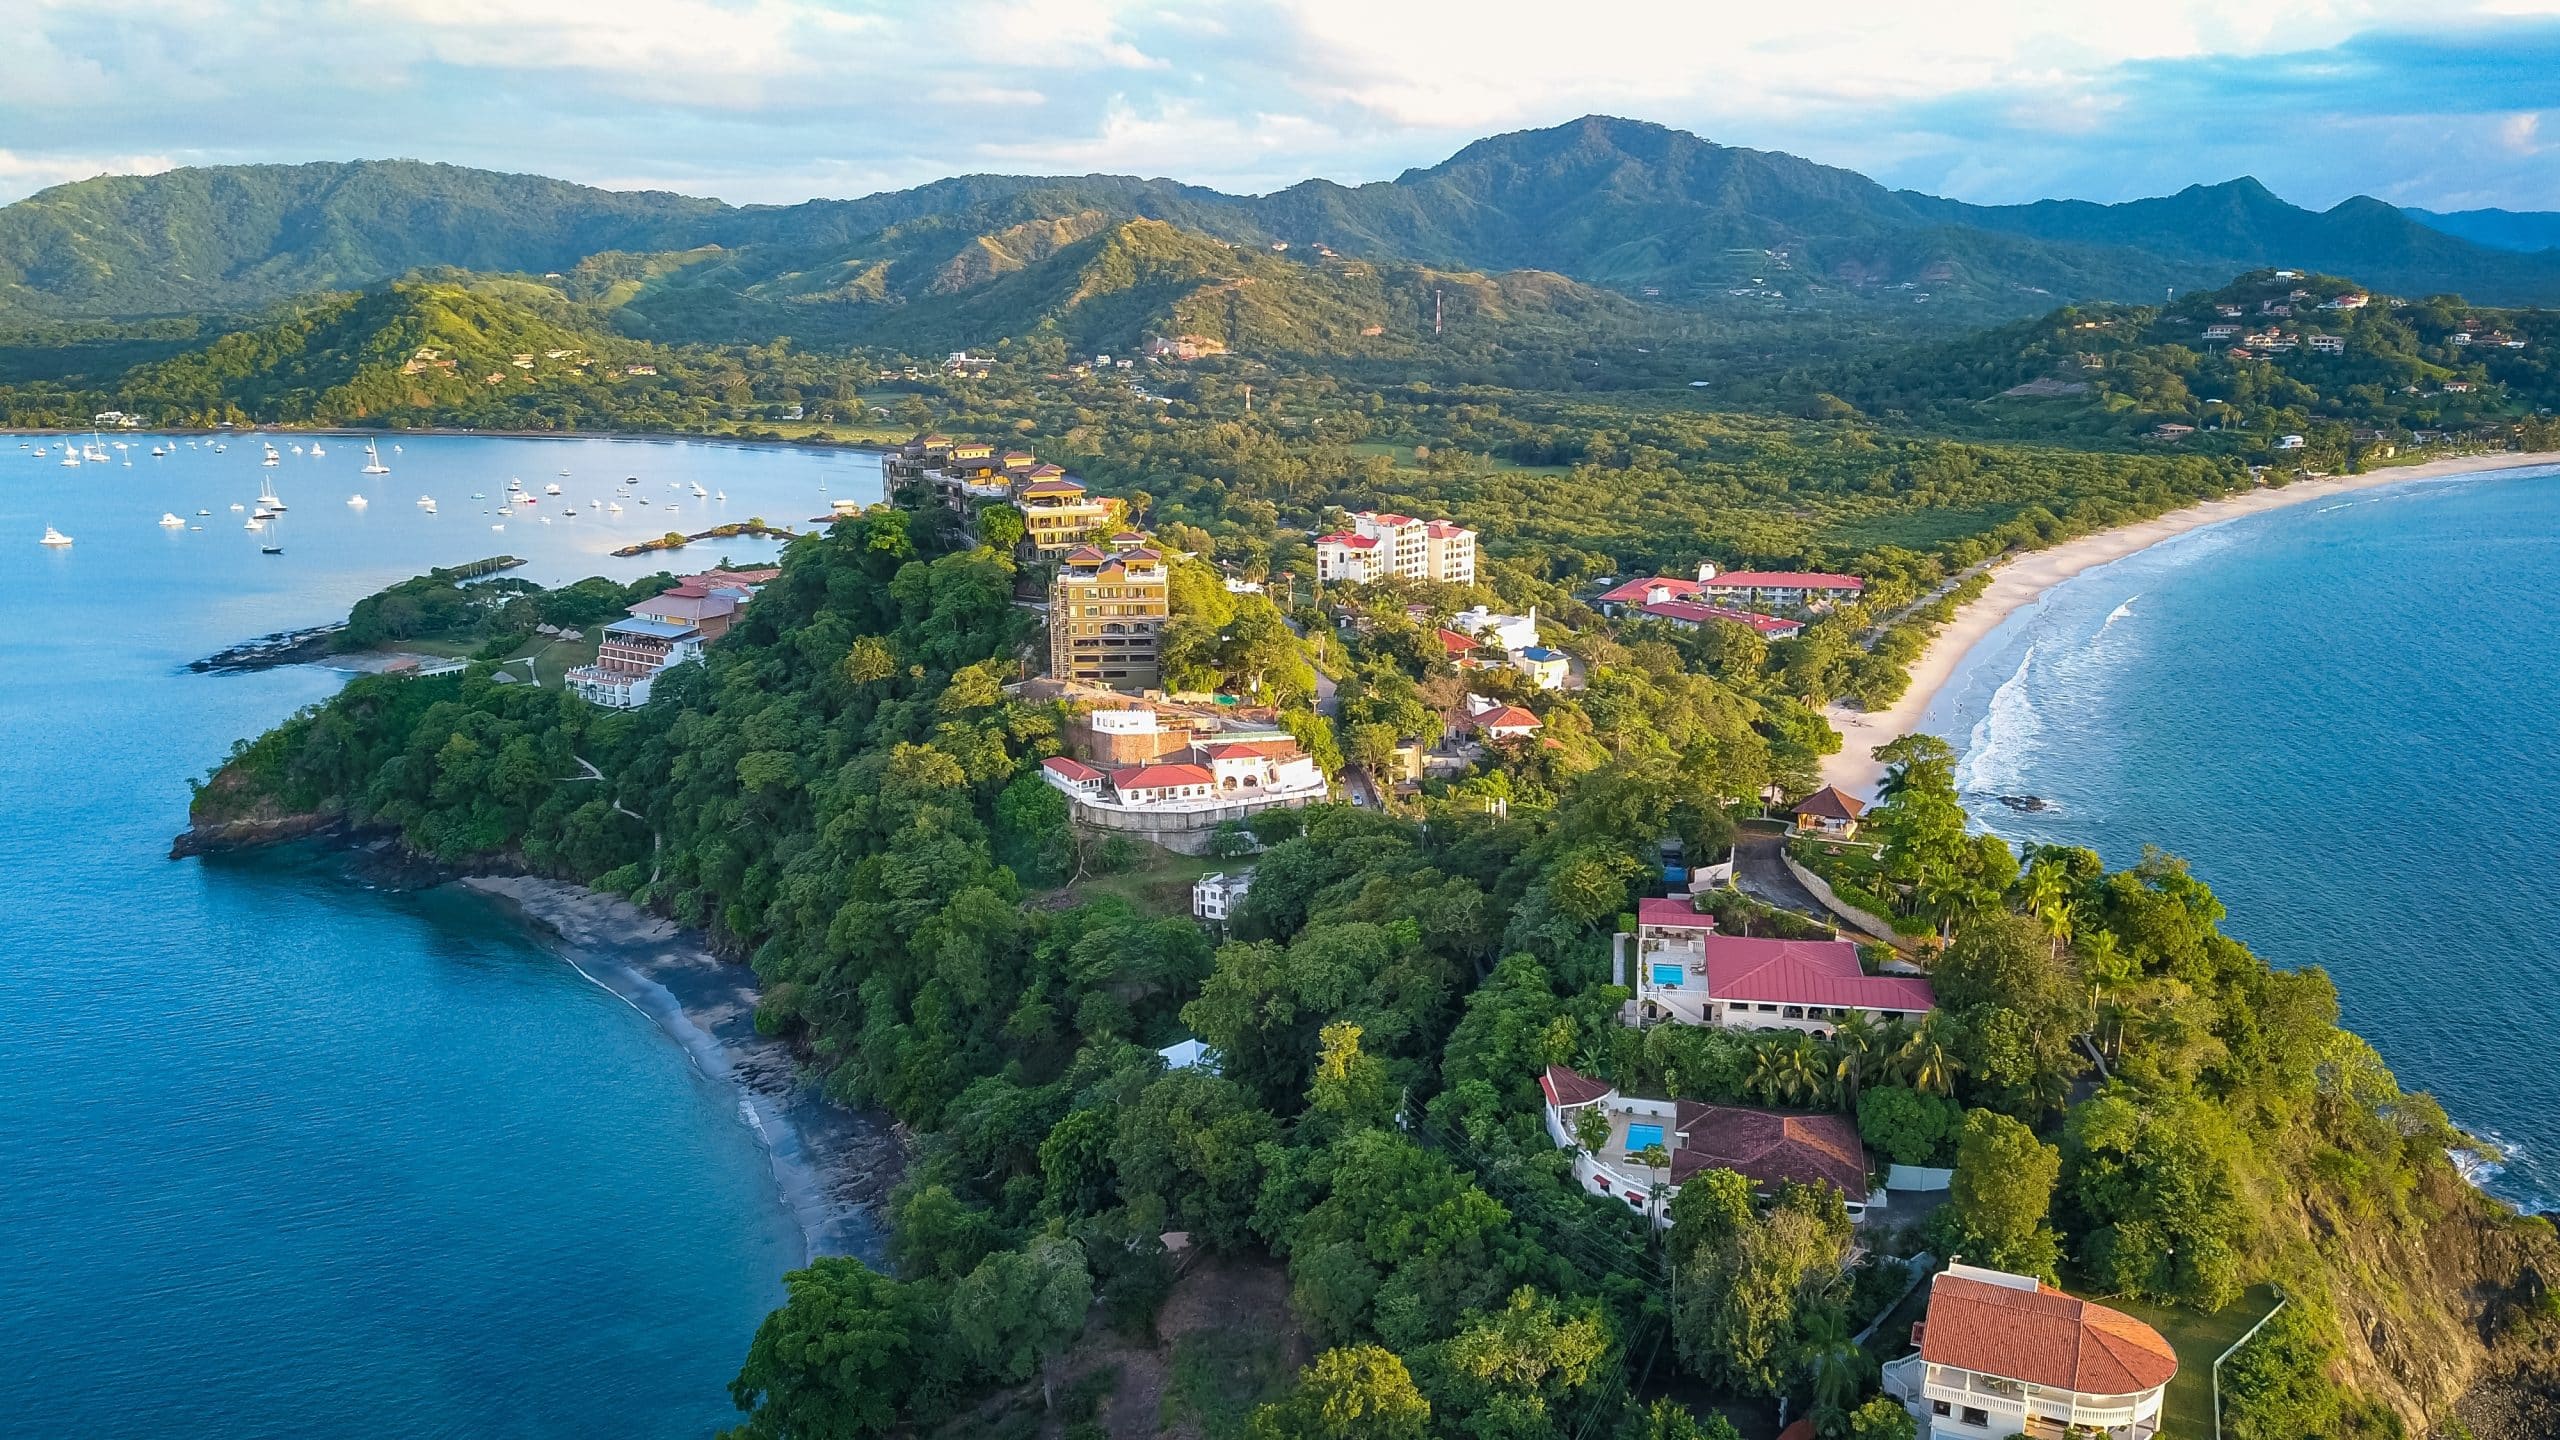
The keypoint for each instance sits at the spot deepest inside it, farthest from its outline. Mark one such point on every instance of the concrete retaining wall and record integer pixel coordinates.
(1874, 925)
(1183, 831)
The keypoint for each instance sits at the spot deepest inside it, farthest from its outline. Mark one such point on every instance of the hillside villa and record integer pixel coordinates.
(1769, 1148)
(664, 630)
(1178, 797)
(2001, 1354)
(1740, 596)
(1215, 897)
(1688, 974)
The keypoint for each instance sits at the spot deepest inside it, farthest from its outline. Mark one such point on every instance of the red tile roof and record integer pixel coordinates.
(1830, 803)
(1247, 749)
(1455, 643)
(1628, 592)
(2042, 1337)
(1159, 777)
(1356, 542)
(1769, 1147)
(1444, 530)
(1698, 614)
(1567, 1087)
(1070, 769)
(1786, 580)
(1805, 972)
(1674, 912)
(1508, 717)
(1044, 488)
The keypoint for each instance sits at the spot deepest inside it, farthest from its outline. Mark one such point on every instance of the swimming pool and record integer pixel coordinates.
(1666, 977)
(1640, 1136)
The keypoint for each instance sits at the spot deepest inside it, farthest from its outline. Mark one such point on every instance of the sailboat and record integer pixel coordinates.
(169, 521)
(267, 497)
(274, 545)
(69, 455)
(373, 461)
(272, 457)
(55, 538)
(358, 501)
(316, 451)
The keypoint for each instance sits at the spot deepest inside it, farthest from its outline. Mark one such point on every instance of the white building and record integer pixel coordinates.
(630, 655)
(1511, 632)
(1215, 897)
(1221, 774)
(2001, 1354)
(1380, 545)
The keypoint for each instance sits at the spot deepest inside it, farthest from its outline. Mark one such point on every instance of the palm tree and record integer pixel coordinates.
(2042, 887)
(2057, 918)
(1926, 1061)
(1856, 1042)
(1836, 1369)
(1657, 1162)
(1761, 1080)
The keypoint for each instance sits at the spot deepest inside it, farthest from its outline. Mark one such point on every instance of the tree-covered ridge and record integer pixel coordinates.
(2242, 366)
(843, 791)
(1634, 206)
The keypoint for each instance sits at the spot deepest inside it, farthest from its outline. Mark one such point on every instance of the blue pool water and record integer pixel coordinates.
(1666, 976)
(1640, 1136)
(2342, 714)
(281, 1155)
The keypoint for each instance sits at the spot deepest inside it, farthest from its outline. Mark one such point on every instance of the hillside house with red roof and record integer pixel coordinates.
(1688, 974)
(1770, 1148)
(2002, 1354)
(1830, 812)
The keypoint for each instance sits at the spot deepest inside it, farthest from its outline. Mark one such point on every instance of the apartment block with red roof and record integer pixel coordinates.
(2001, 1354)
(1796, 591)
(1769, 1148)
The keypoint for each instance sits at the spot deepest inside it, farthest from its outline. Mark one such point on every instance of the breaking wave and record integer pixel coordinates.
(2004, 738)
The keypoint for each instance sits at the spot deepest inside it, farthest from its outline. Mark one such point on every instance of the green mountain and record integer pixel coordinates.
(1636, 207)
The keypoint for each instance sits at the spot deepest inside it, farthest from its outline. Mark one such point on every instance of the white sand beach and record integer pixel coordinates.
(2020, 580)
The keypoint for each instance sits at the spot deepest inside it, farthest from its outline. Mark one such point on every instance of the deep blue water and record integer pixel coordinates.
(2346, 716)
(281, 1155)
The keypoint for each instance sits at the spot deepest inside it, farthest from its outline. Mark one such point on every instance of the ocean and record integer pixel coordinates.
(2341, 714)
(282, 1154)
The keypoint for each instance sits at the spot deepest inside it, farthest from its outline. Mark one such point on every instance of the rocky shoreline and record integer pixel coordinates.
(267, 652)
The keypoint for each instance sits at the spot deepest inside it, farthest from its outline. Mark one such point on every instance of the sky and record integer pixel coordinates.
(2439, 104)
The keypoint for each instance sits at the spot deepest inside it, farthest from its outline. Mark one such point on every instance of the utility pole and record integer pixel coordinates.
(1435, 309)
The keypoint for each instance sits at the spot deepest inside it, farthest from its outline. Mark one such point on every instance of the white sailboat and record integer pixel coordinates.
(169, 521)
(70, 457)
(552, 488)
(267, 497)
(272, 457)
(373, 461)
(358, 501)
(316, 451)
(55, 538)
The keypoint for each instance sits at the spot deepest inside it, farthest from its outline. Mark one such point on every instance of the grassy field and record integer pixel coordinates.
(1159, 882)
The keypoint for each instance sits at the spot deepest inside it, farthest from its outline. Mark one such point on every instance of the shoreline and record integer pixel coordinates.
(2021, 580)
(833, 1167)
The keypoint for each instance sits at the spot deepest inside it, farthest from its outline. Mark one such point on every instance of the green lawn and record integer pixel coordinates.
(1160, 881)
(2198, 1339)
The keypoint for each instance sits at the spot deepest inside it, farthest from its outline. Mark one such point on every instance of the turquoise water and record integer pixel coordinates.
(280, 1154)
(2342, 714)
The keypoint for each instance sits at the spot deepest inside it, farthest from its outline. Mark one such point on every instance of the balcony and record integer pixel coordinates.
(2049, 1414)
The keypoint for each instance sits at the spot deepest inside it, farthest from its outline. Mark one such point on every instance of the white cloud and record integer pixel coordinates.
(23, 175)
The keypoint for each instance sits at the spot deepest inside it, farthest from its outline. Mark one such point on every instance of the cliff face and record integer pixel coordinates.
(231, 812)
(2437, 1308)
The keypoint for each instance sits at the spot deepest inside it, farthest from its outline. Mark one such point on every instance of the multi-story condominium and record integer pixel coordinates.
(1688, 973)
(2002, 1354)
(1381, 545)
(1107, 609)
(1769, 1148)
(1057, 513)
(1781, 589)
(664, 630)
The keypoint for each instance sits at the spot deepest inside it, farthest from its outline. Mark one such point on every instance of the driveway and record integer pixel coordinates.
(1760, 871)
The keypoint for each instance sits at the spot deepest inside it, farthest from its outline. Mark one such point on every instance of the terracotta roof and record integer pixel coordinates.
(1786, 580)
(2041, 1336)
(1159, 777)
(1051, 486)
(1696, 613)
(1455, 643)
(1356, 542)
(1768, 1147)
(1507, 717)
(1567, 1087)
(1252, 749)
(1674, 912)
(1444, 530)
(1800, 1430)
(1830, 803)
(1630, 591)
(1068, 769)
(1805, 972)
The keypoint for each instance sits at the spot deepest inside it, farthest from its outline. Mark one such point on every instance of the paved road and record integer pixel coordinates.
(1760, 871)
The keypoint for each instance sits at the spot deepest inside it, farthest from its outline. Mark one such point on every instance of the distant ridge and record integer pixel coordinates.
(1648, 210)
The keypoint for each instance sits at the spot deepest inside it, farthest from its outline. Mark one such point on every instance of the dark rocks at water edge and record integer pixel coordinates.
(285, 647)
(249, 832)
(2028, 804)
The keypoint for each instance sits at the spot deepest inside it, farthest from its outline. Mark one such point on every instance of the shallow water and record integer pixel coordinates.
(280, 1154)
(2343, 715)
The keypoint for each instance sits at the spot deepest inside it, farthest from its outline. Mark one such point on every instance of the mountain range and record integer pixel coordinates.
(1532, 227)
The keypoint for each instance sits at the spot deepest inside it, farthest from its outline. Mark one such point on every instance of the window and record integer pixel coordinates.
(1941, 1407)
(1979, 1418)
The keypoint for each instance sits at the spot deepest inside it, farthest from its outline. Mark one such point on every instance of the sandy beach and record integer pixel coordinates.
(833, 1167)
(2021, 580)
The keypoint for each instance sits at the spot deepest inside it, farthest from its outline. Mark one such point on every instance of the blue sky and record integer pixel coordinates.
(2440, 104)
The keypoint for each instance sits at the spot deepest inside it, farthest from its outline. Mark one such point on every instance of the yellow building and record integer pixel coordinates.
(1107, 610)
(1058, 514)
